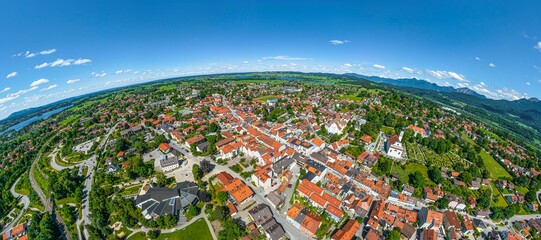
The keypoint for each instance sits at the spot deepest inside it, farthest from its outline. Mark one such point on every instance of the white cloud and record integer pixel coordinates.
(504, 93)
(7, 99)
(48, 88)
(482, 83)
(96, 74)
(41, 65)
(245, 62)
(378, 66)
(63, 62)
(286, 58)
(446, 75)
(12, 74)
(492, 65)
(39, 82)
(528, 83)
(82, 61)
(347, 65)
(478, 58)
(17, 94)
(338, 42)
(538, 46)
(408, 70)
(71, 81)
(47, 52)
(28, 54)
(5, 90)
(123, 71)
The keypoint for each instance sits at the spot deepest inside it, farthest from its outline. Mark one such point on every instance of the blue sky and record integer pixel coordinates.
(53, 51)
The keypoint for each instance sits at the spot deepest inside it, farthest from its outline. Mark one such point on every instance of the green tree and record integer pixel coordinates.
(221, 196)
(417, 179)
(197, 172)
(393, 234)
(161, 179)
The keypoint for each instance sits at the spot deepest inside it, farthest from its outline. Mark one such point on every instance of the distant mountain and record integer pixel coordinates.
(419, 84)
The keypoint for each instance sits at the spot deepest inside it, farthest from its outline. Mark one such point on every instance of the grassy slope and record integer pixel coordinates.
(494, 168)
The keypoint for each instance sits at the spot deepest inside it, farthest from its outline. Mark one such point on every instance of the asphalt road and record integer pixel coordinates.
(91, 163)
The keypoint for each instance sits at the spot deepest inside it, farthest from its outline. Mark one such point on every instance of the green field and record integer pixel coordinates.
(388, 130)
(70, 119)
(494, 168)
(497, 197)
(522, 190)
(267, 97)
(199, 230)
(411, 167)
(131, 190)
(352, 97)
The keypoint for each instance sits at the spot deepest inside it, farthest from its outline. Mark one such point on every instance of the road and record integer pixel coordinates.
(58, 167)
(91, 163)
(26, 202)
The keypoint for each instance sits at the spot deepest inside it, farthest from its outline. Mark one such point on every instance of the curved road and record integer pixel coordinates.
(24, 199)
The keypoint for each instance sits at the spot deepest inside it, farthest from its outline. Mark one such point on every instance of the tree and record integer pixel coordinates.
(466, 177)
(530, 196)
(221, 213)
(204, 196)
(230, 230)
(417, 179)
(222, 197)
(153, 234)
(393, 234)
(161, 179)
(442, 203)
(197, 172)
(192, 211)
(434, 174)
(206, 167)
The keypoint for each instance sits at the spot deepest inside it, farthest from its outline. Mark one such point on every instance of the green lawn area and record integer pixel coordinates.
(352, 97)
(65, 200)
(468, 139)
(267, 97)
(70, 119)
(388, 130)
(522, 190)
(494, 168)
(131, 190)
(497, 197)
(199, 230)
(20, 189)
(411, 167)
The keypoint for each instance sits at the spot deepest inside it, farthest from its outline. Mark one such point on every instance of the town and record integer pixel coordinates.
(226, 158)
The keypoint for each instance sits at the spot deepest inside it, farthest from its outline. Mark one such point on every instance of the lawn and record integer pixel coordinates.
(522, 190)
(352, 97)
(267, 97)
(69, 120)
(494, 168)
(497, 197)
(387, 130)
(131, 190)
(199, 230)
(411, 167)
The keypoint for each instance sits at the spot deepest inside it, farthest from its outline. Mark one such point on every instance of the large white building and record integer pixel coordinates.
(168, 162)
(393, 147)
